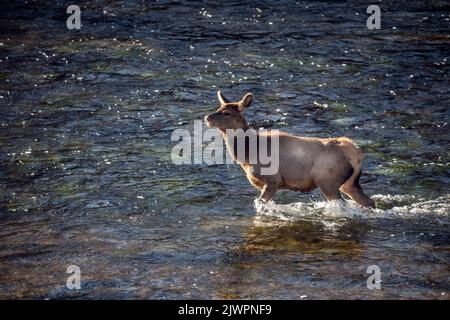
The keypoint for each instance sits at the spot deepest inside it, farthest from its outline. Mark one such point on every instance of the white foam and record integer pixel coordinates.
(405, 207)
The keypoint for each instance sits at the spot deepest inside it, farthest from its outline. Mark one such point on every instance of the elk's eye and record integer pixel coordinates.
(226, 113)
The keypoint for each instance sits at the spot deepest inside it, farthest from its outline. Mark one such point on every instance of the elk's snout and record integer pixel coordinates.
(209, 119)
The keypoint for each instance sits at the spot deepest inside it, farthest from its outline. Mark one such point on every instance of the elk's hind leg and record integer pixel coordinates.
(330, 190)
(352, 188)
(330, 175)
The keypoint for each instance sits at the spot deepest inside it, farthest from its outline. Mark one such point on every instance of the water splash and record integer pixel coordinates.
(332, 213)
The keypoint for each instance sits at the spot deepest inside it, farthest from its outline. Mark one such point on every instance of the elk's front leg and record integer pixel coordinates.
(268, 191)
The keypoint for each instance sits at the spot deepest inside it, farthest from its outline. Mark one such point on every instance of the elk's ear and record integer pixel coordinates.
(222, 99)
(245, 102)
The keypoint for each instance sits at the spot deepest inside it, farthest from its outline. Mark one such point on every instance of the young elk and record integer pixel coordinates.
(332, 164)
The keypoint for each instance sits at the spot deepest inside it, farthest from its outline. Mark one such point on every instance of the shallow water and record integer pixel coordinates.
(86, 178)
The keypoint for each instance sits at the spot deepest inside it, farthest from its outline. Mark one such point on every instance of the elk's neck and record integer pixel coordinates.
(244, 136)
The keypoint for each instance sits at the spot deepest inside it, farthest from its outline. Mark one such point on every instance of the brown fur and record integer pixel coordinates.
(333, 164)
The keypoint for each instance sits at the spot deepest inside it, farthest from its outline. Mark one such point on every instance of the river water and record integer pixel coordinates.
(86, 118)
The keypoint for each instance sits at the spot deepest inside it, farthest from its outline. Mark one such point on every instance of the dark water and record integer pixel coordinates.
(86, 176)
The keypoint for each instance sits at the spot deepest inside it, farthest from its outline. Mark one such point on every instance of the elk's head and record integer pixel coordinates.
(229, 115)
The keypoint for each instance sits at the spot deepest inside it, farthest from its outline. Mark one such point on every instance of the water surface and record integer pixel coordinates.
(86, 118)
